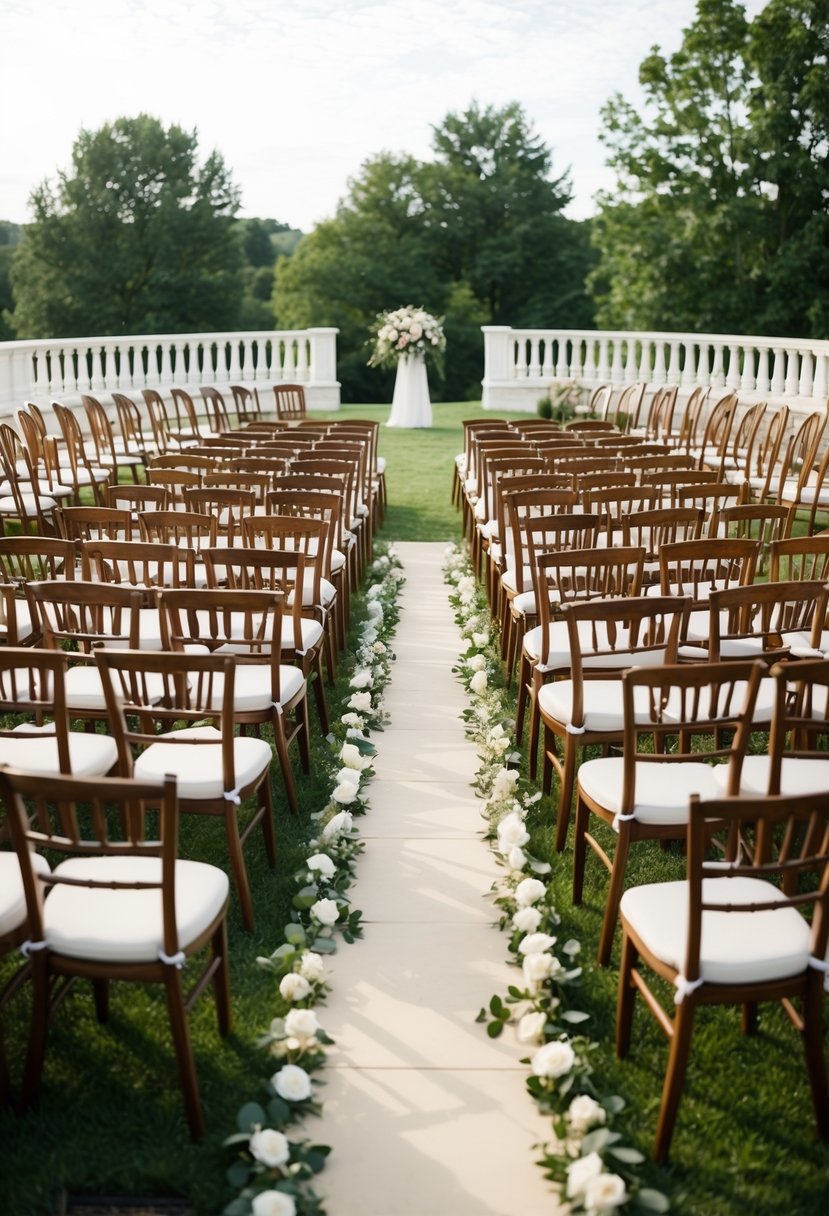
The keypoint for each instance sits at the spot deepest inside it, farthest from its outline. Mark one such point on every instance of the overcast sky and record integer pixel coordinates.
(297, 95)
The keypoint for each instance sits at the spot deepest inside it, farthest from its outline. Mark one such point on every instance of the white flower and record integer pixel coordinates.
(585, 1112)
(477, 662)
(360, 700)
(527, 920)
(511, 831)
(537, 968)
(480, 639)
(352, 757)
(323, 864)
(311, 967)
(270, 1147)
(478, 683)
(379, 648)
(273, 1203)
(536, 943)
(345, 793)
(326, 911)
(530, 1028)
(352, 720)
(604, 1192)
(343, 821)
(582, 1171)
(553, 1059)
(504, 783)
(301, 1024)
(375, 610)
(516, 858)
(348, 776)
(529, 892)
(360, 679)
(294, 987)
(292, 1083)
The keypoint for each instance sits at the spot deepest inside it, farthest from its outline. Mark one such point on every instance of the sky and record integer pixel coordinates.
(296, 96)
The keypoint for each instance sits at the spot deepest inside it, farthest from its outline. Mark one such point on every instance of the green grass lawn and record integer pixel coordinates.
(110, 1119)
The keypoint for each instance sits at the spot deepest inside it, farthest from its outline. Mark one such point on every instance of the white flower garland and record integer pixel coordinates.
(274, 1175)
(594, 1171)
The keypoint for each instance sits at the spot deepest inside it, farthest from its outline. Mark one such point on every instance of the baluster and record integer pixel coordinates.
(688, 375)
(733, 378)
(673, 363)
(792, 372)
(717, 373)
(548, 366)
(616, 364)
(631, 367)
(234, 371)
(304, 352)
(807, 369)
(562, 359)
(778, 378)
(602, 371)
(748, 380)
(583, 358)
(762, 382)
(165, 370)
(535, 359)
(658, 373)
(521, 357)
(644, 370)
(821, 381)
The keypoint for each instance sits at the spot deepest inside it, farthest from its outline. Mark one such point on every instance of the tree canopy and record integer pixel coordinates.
(137, 237)
(718, 220)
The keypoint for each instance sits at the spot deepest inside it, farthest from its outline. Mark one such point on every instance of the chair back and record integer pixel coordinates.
(289, 402)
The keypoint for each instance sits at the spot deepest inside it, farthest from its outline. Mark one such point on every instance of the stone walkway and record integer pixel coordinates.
(425, 1114)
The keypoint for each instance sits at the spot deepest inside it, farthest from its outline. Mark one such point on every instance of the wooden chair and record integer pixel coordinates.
(768, 620)
(25, 559)
(174, 482)
(650, 530)
(186, 460)
(44, 460)
(84, 523)
(759, 471)
(731, 933)
(108, 454)
(289, 402)
(145, 566)
(120, 907)
(227, 507)
(604, 638)
(644, 793)
(696, 569)
(132, 438)
(796, 469)
(217, 409)
(82, 470)
(170, 433)
(187, 530)
(23, 501)
(246, 403)
(136, 499)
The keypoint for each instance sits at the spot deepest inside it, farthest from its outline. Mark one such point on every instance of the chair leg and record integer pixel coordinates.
(100, 989)
(535, 730)
(674, 1078)
(521, 710)
(266, 805)
(748, 1021)
(319, 694)
(303, 718)
(36, 1049)
(614, 895)
(565, 797)
(237, 865)
(813, 1048)
(221, 977)
(580, 848)
(184, 1052)
(285, 764)
(627, 997)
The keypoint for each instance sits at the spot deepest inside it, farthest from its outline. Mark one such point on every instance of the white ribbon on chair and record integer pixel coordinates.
(685, 987)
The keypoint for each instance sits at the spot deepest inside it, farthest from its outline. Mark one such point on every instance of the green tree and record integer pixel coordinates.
(137, 237)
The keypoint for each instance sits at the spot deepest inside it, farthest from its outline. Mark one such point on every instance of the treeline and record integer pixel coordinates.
(718, 220)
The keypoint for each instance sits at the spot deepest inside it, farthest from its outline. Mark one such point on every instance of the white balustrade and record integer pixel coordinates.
(521, 364)
(61, 369)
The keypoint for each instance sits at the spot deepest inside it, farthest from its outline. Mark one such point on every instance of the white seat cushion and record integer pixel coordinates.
(798, 775)
(22, 619)
(327, 591)
(663, 790)
(311, 633)
(737, 947)
(90, 755)
(12, 897)
(252, 687)
(125, 926)
(198, 767)
(84, 690)
(31, 504)
(558, 655)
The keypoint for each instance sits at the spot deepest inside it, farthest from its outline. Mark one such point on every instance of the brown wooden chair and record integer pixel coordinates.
(246, 403)
(289, 402)
(84, 523)
(108, 454)
(217, 409)
(120, 907)
(731, 933)
(22, 500)
(82, 470)
(26, 559)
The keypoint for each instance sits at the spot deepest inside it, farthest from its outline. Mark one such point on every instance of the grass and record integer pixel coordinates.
(110, 1119)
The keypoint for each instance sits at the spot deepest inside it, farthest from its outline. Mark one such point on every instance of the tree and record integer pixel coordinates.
(720, 200)
(137, 238)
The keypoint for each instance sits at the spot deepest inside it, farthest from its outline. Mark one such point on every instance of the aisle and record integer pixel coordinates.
(424, 1112)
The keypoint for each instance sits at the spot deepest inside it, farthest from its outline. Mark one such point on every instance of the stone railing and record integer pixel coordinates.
(63, 368)
(521, 364)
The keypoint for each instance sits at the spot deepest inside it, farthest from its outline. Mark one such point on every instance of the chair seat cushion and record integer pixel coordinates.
(12, 897)
(558, 655)
(602, 704)
(737, 947)
(798, 775)
(84, 690)
(125, 926)
(312, 632)
(252, 687)
(90, 755)
(197, 767)
(663, 789)
(31, 504)
(22, 619)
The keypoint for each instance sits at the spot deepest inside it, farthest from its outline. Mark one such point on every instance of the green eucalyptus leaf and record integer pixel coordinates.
(651, 1201)
(250, 1113)
(238, 1174)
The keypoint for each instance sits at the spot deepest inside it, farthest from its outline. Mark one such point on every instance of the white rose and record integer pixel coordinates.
(512, 831)
(504, 783)
(416, 331)
(516, 858)
(553, 1059)
(478, 683)
(292, 1083)
(294, 987)
(585, 1112)
(352, 757)
(345, 793)
(352, 720)
(348, 776)
(536, 943)
(323, 864)
(360, 679)
(476, 663)
(526, 920)
(341, 822)
(270, 1147)
(273, 1203)
(582, 1171)
(379, 648)
(529, 892)
(604, 1192)
(537, 968)
(480, 639)
(360, 700)
(326, 911)
(375, 610)
(301, 1024)
(530, 1028)
(312, 967)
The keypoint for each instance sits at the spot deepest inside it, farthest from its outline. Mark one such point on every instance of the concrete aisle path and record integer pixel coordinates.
(426, 1115)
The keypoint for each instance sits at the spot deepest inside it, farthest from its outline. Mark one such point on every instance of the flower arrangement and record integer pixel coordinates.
(274, 1175)
(595, 1171)
(403, 332)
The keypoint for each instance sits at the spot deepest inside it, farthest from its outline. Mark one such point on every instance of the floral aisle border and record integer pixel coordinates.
(274, 1175)
(593, 1169)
